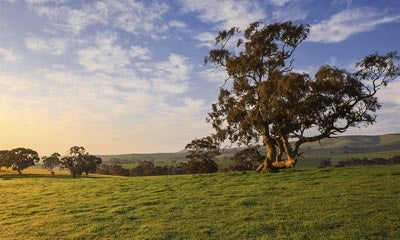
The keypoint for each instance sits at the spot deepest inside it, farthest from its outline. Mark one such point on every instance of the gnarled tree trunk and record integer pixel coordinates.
(274, 152)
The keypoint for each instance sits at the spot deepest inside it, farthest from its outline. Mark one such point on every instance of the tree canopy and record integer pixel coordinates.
(201, 154)
(4, 160)
(21, 158)
(79, 161)
(52, 161)
(264, 100)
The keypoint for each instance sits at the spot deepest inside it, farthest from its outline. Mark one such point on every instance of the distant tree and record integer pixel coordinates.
(325, 163)
(247, 159)
(79, 161)
(51, 162)
(91, 163)
(112, 169)
(22, 158)
(201, 154)
(75, 161)
(264, 100)
(4, 160)
(145, 168)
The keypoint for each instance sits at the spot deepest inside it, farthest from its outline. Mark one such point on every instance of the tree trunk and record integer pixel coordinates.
(273, 162)
(270, 150)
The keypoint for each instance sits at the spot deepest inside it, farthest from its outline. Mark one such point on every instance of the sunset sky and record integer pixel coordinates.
(128, 76)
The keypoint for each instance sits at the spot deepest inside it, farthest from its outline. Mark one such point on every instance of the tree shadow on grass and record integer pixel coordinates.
(12, 176)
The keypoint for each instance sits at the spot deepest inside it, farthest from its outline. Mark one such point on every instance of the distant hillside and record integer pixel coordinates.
(135, 157)
(335, 149)
(354, 144)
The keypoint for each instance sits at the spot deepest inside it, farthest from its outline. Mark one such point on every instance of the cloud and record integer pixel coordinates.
(347, 23)
(53, 46)
(279, 2)
(96, 110)
(8, 1)
(139, 52)
(226, 13)
(70, 19)
(291, 13)
(177, 24)
(213, 75)
(206, 39)
(136, 17)
(391, 93)
(8, 55)
(172, 76)
(131, 16)
(107, 56)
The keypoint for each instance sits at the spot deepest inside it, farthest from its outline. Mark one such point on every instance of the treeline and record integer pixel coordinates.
(201, 159)
(147, 168)
(78, 161)
(352, 162)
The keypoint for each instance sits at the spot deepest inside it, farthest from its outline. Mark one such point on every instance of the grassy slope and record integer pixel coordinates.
(335, 149)
(348, 203)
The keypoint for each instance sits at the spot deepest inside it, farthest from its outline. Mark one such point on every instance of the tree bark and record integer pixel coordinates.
(270, 150)
(273, 161)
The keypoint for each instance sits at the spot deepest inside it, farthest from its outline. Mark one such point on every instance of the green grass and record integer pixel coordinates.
(346, 203)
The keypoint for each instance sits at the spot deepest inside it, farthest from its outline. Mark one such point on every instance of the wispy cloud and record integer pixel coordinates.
(347, 23)
(131, 16)
(106, 56)
(98, 108)
(8, 55)
(279, 2)
(214, 75)
(206, 39)
(290, 13)
(140, 52)
(177, 24)
(136, 17)
(70, 19)
(172, 76)
(54, 46)
(226, 13)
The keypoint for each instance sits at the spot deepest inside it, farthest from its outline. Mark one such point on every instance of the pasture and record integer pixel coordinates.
(332, 203)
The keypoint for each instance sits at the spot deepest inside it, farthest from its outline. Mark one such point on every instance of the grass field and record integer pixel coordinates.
(345, 203)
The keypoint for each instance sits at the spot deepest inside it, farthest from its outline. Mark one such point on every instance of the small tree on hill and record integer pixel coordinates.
(201, 154)
(247, 158)
(79, 161)
(51, 162)
(75, 160)
(267, 101)
(91, 163)
(22, 158)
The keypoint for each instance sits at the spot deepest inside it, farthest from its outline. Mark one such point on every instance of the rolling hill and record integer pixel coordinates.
(334, 149)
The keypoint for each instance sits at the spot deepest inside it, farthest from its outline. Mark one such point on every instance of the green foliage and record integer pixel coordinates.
(201, 154)
(22, 158)
(266, 101)
(112, 169)
(91, 163)
(4, 160)
(79, 161)
(51, 162)
(345, 203)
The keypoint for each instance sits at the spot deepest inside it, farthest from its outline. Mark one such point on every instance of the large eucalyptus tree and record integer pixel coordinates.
(264, 100)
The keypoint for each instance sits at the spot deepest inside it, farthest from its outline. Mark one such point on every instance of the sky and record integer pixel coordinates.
(128, 76)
